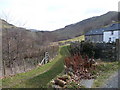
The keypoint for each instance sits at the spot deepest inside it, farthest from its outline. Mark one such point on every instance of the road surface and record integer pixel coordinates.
(112, 82)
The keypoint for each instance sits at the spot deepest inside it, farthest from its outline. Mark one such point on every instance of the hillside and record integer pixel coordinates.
(24, 49)
(83, 26)
(73, 30)
(5, 24)
(40, 37)
(38, 77)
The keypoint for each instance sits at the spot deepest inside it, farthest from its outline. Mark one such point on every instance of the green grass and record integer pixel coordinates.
(0, 83)
(40, 76)
(80, 38)
(106, 69)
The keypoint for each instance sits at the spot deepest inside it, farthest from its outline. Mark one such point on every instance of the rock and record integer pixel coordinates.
(64, 78)
(53, 82)
(70, 73)
(60, 82)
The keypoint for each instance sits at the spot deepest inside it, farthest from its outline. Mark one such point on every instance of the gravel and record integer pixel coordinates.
(87, 82)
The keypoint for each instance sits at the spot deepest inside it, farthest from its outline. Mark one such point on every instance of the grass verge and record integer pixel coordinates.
(40, 76)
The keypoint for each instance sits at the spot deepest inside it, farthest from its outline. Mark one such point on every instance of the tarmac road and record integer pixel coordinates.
(112, 82)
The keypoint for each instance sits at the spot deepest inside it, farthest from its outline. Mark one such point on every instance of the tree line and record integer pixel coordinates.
(23, 50)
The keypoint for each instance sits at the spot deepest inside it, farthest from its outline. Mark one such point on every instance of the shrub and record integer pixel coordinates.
(104, 51)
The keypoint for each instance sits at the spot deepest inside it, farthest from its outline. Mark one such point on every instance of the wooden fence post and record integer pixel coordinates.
(3, 68)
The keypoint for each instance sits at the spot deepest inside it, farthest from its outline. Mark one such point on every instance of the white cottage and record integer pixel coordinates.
(111, 33)
(105, 34)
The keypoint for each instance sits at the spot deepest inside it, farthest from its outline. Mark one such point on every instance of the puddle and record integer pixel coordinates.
(87, 82)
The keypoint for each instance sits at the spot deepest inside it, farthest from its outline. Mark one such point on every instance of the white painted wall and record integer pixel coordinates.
(119, 34)
(107, 35)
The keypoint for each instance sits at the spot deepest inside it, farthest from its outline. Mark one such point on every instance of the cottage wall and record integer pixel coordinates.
(94, 38)
(119, 34)
(110, 36)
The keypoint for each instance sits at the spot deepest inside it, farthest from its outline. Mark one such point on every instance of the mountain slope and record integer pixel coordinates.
(39, 37)
(82, 27)
(73, 30)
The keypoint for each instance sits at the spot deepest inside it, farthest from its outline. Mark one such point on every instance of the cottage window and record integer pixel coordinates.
(112, 32)
(109, 40)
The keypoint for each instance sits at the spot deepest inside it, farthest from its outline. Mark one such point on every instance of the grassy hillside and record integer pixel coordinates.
(40, 76)
(80, 38)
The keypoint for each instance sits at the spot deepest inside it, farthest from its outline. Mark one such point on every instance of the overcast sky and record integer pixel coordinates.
(53, 14)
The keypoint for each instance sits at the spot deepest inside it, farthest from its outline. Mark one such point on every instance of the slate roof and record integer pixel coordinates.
(101, 30)
(113, 27)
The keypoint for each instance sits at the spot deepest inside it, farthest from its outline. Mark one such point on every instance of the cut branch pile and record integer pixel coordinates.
(80, 67)
(64, 81)
(76, 68)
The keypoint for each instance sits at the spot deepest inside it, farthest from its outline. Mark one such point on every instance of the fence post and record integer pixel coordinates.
(3, 68)
(24, 66)
(118, 49)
